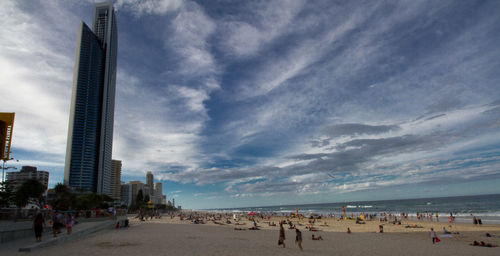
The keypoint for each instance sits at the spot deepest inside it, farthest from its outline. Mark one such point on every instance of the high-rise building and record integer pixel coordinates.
(90, 134)
(149, 183)
(26, 173)
(136, 187)
(116, 178)
(126, 194)
(158, 192)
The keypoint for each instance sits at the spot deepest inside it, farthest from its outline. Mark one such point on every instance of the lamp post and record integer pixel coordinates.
(6, 168)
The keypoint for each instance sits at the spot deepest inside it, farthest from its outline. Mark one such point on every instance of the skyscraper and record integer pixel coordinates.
(149, 183)
(90, 134)
(158, 192)
(116, 178)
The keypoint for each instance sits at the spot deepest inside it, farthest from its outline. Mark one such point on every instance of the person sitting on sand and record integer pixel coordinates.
(483, 244)
(348, 230)
(413, 226)
(272, 224)
(317, 238)
(311, 228)
(239, 229)
(255, 227)
(446, 231)
(380, 229)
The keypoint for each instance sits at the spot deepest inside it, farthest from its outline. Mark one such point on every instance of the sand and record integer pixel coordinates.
(167, 236)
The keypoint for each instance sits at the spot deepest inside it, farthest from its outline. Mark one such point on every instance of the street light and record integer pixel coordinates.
(6, 168)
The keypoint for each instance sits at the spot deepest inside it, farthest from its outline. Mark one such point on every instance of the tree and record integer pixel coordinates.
(30, 189)
(61, 189)
(139, 198)
(146, 198)
(92, 200)
(7, 195)
(64, 199)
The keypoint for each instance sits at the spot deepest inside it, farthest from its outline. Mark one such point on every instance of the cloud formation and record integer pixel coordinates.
(255, 100)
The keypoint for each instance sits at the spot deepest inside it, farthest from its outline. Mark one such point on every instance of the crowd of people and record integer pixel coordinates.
(59, 220)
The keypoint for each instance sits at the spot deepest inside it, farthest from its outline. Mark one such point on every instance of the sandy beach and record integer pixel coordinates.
(167, 236)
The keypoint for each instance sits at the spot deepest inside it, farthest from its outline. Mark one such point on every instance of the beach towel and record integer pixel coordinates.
(446, 236)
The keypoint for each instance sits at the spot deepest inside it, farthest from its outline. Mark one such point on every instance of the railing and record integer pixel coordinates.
(29, 214)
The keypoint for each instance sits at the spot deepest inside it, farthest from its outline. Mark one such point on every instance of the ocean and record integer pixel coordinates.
(486, 207)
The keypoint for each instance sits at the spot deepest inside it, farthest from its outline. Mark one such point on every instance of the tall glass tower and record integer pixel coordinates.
(90, 135)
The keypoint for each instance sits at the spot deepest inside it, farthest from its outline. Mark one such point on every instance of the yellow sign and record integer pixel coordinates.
(151, 204)
(6, 129)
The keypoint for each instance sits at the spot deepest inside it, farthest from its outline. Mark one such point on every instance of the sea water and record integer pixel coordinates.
(486, 207)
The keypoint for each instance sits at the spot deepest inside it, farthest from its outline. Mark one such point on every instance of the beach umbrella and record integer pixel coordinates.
(252, 213)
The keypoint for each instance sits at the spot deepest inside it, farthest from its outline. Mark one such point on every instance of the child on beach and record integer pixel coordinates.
(298, 238)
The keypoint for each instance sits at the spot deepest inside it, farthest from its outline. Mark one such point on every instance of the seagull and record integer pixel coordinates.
(331, 176)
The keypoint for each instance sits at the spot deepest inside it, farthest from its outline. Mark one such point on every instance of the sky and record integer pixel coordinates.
(253, 103)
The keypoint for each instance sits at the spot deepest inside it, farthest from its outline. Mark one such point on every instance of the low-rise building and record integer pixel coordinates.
(26, 173)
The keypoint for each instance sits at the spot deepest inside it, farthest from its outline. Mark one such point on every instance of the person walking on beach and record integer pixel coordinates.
(434, 236)
(69, 223)
(298, 238)
(281, 241)
(38, 225)
(56, 223)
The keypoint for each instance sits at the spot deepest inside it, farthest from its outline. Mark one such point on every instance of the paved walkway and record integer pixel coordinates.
(79, 230)
(6, 225)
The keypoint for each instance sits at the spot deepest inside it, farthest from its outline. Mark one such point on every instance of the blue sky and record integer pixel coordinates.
(248, 103)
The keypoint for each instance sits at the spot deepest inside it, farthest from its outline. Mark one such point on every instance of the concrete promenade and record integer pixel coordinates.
(28, 243)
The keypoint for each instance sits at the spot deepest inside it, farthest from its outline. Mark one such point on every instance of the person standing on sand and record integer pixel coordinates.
(281, 241)
(38, 225)
(433, 236)
(298, 238)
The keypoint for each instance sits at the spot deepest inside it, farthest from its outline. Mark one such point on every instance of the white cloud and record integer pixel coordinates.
(36, 76)
(269, 21)
(164, 135)
(141, 7)
(188, 36)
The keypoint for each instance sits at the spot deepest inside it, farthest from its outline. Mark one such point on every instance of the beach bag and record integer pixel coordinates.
(438, 240)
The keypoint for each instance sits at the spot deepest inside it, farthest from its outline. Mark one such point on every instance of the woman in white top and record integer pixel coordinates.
(433, 236)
